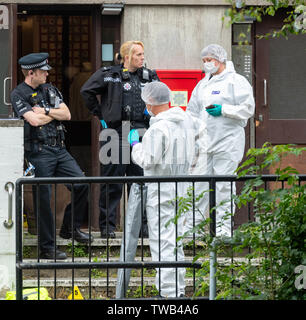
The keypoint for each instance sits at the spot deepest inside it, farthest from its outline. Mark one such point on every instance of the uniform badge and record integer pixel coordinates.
(127, 86)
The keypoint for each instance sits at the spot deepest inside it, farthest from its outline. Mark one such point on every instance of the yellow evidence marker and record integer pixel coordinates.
(77, 294)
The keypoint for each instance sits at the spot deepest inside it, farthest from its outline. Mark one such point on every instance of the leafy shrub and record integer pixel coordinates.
(274, 243)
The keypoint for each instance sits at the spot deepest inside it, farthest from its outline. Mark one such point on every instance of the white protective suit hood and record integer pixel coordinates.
(228, 69)
(175, 114)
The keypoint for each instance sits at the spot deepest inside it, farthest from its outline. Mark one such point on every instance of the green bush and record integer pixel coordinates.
(276, 238)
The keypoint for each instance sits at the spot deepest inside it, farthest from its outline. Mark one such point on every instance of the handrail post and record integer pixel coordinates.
(212, 271)
(9, 187)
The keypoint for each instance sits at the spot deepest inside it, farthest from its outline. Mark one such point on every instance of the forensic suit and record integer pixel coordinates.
(225, 134)
(167, 148)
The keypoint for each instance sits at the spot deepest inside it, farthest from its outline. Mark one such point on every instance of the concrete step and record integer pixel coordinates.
(221, 260)
(31, 240)
(102, 282)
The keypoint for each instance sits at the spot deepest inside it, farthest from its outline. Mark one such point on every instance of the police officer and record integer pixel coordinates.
(121, 105)
(42, 107)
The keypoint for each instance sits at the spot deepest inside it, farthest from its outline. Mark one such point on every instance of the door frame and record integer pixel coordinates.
(96, 54)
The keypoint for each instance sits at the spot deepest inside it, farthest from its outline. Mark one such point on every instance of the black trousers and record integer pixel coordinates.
(56, 162)
(110, 195)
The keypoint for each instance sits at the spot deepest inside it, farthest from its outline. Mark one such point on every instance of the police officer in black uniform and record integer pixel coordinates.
(121, 105)
(41, 106)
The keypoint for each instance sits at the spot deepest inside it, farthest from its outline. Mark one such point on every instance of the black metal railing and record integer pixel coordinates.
(91, 264)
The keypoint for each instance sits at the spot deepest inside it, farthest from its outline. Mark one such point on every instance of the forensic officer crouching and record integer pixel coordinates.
(42, 107)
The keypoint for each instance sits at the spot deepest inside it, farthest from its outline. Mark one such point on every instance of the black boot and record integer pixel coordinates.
(51, 254)
(109, 234)
(78, 235)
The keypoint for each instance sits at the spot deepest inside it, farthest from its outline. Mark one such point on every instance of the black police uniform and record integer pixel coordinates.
(44, 147)
(121, 101)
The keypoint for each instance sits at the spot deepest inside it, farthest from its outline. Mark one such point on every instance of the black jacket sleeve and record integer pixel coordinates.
(20, 105)
(94, 86)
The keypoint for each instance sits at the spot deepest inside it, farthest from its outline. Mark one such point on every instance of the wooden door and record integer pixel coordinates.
(280, 86)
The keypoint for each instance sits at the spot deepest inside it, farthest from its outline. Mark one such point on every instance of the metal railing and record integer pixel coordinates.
(22, 265)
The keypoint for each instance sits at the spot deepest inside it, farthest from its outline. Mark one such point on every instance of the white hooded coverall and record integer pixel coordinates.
(225, 133)
(167, 149)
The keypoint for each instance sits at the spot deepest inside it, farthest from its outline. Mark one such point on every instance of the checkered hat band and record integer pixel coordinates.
(34, 66)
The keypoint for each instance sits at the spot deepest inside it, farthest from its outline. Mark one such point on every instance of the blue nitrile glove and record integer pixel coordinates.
(145, 112)
(104, 125)
(216, 111)
(133, 137)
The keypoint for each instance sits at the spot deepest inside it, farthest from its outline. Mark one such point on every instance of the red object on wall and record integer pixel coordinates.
(181, 83)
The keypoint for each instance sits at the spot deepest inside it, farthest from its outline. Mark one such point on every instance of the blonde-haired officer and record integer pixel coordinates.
(119, 87)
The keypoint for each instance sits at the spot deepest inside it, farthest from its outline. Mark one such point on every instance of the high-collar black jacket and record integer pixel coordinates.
(108, 82)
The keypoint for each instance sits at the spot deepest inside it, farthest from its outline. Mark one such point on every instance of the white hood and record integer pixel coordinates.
(230, 66)
(228, 69)
(174, 114)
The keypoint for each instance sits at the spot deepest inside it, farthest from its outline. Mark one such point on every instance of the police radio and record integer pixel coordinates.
(125, 74)
(52, 97)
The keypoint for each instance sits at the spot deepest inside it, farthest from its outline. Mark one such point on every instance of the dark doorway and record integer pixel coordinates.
(66, 36)
(73, 36)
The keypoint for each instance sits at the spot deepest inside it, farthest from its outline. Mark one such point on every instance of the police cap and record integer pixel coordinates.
(35, 61)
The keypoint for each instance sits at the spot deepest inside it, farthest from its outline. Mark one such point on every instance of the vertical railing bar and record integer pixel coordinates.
(212, 205)
(19, 231)
(176, 247)
(232, 210)
(159, 270)
(89, 185)
(212, 255)
(124, 237)
(193, 234)
(38, 234)
(232, 229)
(54, 231)
(107, 238)
(142, 249)
(72, 236)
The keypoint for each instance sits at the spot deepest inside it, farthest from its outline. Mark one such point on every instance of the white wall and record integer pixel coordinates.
(175, 35)
(11, 168)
